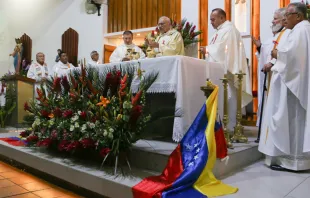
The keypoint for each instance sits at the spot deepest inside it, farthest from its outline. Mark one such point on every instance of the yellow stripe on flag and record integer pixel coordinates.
(207, 184)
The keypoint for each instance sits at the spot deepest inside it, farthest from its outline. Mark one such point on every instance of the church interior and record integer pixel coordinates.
(154, 98)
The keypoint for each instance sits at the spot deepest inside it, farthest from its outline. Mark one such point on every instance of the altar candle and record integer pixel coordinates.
(226, 63)
(207, 55)
(240, 57)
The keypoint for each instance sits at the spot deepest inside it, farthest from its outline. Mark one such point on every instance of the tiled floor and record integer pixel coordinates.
(17, 184)
(257, 181)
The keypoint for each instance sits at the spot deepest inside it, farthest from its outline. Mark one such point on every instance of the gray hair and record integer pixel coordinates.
(39, 53)
(165, 19)
(300, 8)
(281, 12)
(93, 53)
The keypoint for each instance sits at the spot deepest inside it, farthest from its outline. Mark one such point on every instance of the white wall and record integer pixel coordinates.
(267, 8)
(190, 11)
(45, 21)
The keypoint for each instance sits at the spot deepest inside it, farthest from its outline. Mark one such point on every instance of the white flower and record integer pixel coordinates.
(71, 128)
(92, 125)
(37, 121)
(74, 118)
(105, 133)
(110, 135)
(111, 130)
(97, 123)
(76, 125)
(79, 112)
(84, 127)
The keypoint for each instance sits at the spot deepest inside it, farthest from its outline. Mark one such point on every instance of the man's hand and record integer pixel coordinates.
(274, 53)
(203, 50)
(256, 42)
(267, 67)
(125, 59)
(153, 44)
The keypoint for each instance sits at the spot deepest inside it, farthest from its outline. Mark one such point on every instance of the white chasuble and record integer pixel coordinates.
(264, 57)
(37, 72)
(285, 137)
(61, 69)
(227, 35)
(121, 52)
(170, 44)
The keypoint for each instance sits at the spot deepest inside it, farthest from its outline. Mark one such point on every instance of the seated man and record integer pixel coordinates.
(120, 53)
(169, 42)
(94, 58)
(62, 67)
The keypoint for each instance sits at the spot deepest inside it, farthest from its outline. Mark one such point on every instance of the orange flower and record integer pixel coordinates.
(51, 115)
(104, 101)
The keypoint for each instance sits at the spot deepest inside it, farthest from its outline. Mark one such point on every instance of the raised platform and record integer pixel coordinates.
(147, 158)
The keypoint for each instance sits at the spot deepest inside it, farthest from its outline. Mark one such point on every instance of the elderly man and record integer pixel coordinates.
(285, 138)
(38, 70)
(280, 34)
(120, 53)
(169, 42)
(94, 58)
(227, 38)
(62, 67)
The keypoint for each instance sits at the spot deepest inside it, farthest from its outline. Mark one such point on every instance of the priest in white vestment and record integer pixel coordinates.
(169, 42)
(285, 137)
(38, 71)
(227, 35)
(63, 66)
(120, 53)
(94, 55)
(280, 34)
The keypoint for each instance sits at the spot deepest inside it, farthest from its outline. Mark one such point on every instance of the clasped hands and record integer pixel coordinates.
(268, 66)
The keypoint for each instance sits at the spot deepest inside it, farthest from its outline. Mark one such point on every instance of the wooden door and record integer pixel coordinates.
(107, 51)
(70, 45)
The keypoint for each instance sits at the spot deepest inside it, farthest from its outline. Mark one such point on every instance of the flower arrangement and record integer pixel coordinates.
(187, 30)
(91, 111)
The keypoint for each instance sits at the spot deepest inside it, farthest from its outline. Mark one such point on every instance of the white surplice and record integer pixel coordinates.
(285, 137)
(37, 72)
(170, 44)
(93, 63)
(120, 52)
(264, 57)
(228, 35)
(61, 69)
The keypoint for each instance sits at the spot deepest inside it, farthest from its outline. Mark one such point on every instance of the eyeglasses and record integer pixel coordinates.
(290, 13)
(161, 24)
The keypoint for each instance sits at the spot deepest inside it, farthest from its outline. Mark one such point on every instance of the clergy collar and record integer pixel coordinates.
(129, 46)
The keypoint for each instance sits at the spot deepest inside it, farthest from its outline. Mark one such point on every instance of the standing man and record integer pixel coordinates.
(169, 42)
(280, 34)
(227, 35)
(120, 53)
(38, 71)
(285, 137)
(63, 66)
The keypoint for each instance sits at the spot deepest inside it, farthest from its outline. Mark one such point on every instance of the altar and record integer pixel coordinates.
(182, 76)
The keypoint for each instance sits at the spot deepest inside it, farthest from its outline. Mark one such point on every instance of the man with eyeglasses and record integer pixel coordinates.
(286, 122)
(264, 49)
(169, 42)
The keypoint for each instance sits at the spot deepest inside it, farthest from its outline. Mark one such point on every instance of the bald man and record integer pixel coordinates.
(169, 42)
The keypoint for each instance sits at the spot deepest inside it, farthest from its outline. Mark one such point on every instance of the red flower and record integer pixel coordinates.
(65, 83)
(24, 133)
(73, 146)
(26, 107)
(136, 112)
(54, 134)
(44, 113)
(104, 152)
(32, 138)
(193, 29)
(62, 146)
(57, 112)
(83, 115)
(135, 99)
(56, 84)
(67, 114)
(153, 34)
(46, 142)
(87, 143)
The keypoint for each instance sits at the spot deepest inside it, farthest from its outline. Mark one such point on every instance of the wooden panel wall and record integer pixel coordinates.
(136, 14)
(69, 44)
(27, 47)
(107, 50)
(227, 9)
(203, 21)
(284, 3)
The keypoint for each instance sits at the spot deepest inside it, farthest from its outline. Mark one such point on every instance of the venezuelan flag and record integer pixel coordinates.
(188, 173)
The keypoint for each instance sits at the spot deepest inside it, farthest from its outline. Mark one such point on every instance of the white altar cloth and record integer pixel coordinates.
(183, 76)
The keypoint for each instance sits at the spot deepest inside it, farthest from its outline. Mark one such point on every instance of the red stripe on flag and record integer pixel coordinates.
(153, 186)
(13, 142)
(221, 147)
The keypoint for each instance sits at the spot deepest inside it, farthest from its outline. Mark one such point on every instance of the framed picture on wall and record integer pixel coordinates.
(241, 16)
